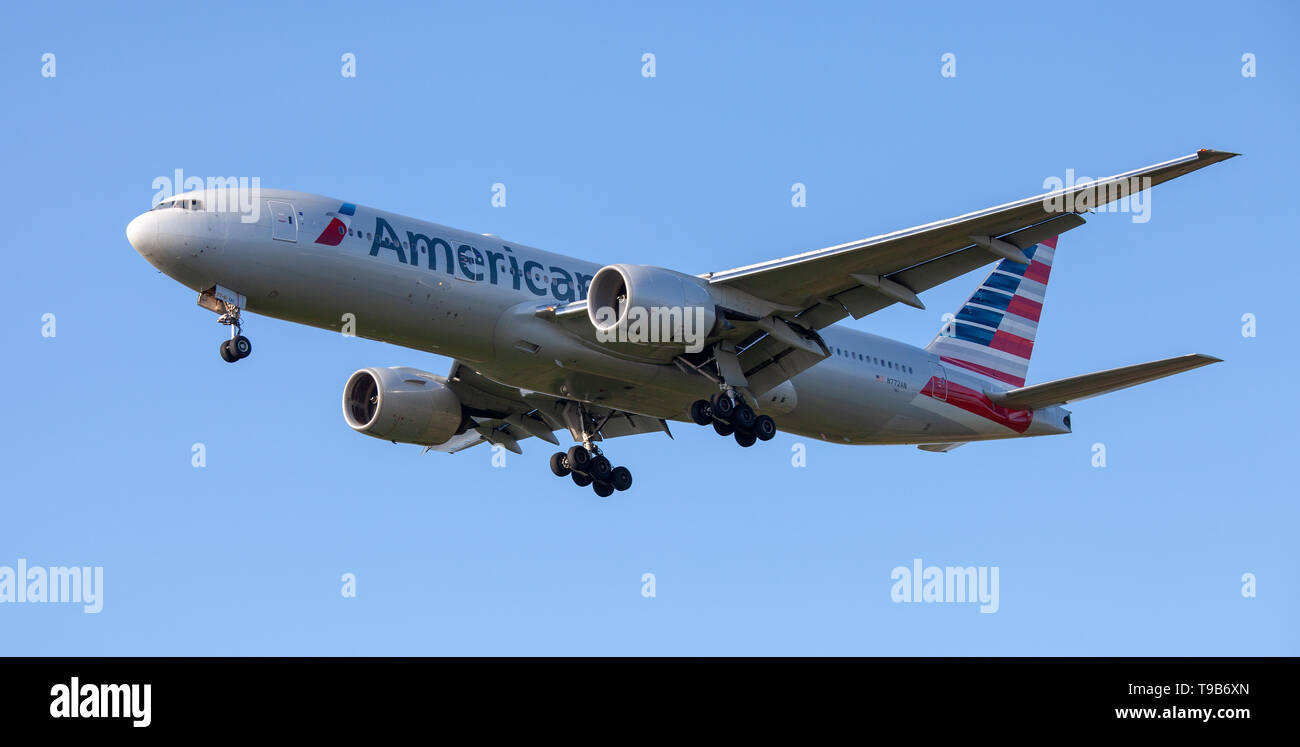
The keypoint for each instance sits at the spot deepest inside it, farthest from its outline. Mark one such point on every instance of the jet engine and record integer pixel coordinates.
(401, 404)
(651, 305)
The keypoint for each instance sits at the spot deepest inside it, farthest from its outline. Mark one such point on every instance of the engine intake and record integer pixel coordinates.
(402, 404)
(650, 305)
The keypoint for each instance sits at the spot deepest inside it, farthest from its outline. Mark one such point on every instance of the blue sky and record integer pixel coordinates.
(691, 169)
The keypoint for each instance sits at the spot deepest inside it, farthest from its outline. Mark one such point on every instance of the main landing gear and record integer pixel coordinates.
(237, 347)
(587, 466)
(732, 416)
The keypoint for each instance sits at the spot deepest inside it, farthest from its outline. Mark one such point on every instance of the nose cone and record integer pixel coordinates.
(143, 234)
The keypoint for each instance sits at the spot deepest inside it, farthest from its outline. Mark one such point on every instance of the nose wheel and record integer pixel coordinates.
(585, 465)
(732, 416)
(236, 348)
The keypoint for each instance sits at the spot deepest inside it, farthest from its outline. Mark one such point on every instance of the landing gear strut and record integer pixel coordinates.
(237, 347)
(584, 462)
(732, 416)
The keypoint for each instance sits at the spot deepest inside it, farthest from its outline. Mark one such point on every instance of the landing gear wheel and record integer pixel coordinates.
(745, 438)
(743, 417)
(578, 458)
(241, 346)
(722, 429)
(723, 405)
(599, 468)
(227, 355)
(764, 428)
(603, 489)
(701, 413)
(559, 465)
(621, 478)
(580, 479)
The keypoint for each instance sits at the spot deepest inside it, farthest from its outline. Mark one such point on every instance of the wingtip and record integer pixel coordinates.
(1207, 359)
(1221, 155)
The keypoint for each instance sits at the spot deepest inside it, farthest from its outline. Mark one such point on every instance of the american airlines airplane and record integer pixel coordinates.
(544, 342)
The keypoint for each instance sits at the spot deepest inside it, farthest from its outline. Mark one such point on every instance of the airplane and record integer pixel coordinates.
(543, 342)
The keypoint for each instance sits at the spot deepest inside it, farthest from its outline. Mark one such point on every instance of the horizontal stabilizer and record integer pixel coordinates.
(1074, 388)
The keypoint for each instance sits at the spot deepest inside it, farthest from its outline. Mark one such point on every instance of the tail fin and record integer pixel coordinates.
(993, 333)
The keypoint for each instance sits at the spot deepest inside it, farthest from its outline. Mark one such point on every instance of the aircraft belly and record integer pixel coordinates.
(835, 403)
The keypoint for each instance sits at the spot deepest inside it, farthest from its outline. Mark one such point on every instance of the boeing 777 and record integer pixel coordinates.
(543, 342)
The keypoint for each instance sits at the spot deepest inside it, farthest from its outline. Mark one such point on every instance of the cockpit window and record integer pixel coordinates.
(183, 204)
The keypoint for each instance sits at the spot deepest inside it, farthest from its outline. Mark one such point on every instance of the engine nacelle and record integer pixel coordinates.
(651, 306)
(402, 404)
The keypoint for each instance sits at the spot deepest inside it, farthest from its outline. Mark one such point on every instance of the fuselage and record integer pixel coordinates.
(474, 297)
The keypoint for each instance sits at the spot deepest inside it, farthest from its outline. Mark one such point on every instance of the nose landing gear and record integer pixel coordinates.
(587, 466)
(237, 347)
(732, 416)
(227, 304)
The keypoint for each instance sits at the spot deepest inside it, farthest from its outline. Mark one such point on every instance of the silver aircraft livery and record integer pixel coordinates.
(543, 342)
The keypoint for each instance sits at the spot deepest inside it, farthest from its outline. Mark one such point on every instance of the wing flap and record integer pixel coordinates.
(1080, 387)
(770, 362)
(506, 415)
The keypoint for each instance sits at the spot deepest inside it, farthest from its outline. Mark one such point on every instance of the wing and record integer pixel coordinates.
(506, 415)
(861, 277)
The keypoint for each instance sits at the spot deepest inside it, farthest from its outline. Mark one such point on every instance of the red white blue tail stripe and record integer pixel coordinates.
(993, 333)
